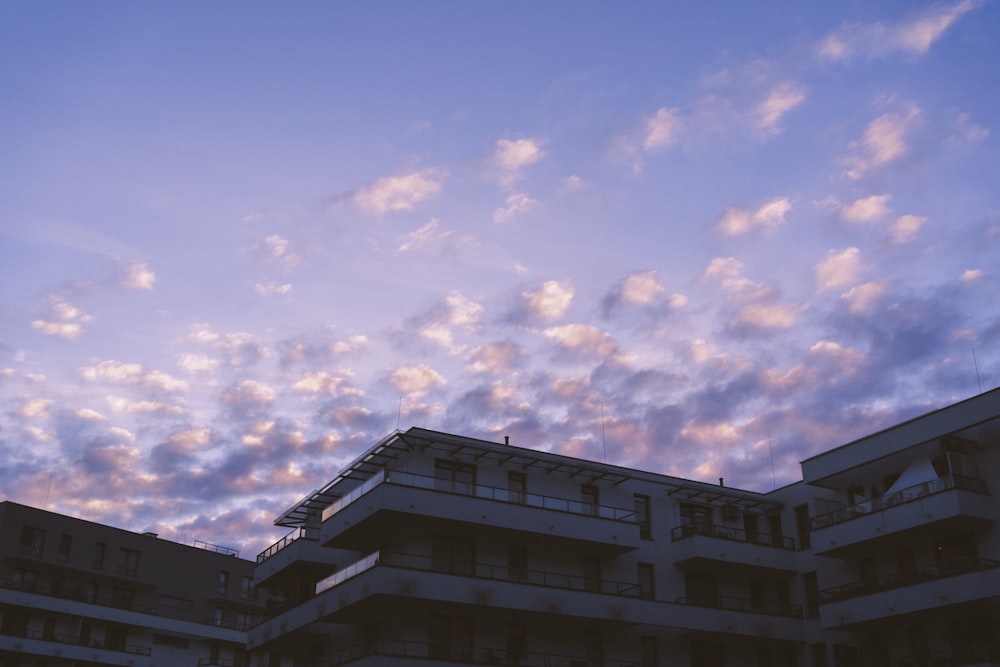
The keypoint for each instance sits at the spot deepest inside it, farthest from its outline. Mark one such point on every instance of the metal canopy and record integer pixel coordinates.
(720, 495)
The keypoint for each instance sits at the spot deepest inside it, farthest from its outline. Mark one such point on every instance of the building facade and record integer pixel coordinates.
(77, 593)
(432, 548)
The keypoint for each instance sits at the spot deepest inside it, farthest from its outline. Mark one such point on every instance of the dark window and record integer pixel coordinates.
(650, 651)
(591, 573)
(100, 549)
(449, 637)
(517, 562)
(819, 655)
(590, 497)
(696, 519)
(594, 648)
(704, 654)
(750, 531)
(223, 585)
(647, 581)
(121, 597)
(49, 629)
(642, 516)
(811, 584)
(455, 555)
(86, 629)
(32, 541)
(845, 655)
(247, 590)
(905, 561)
(90, 591)
(65, 544)
(782, 596)
(58, 585)
(128, 562)
(763, 657)
(803, 526)
(517, 487)
(701, 588)
(25, 580)
(517, 641)
(115, 638)
(757, 595)
(15, 623)
(455, 476)
(168, 640)
(774, 528)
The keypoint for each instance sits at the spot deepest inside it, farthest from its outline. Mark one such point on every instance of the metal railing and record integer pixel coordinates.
(479, 570)
(480, 491)
(469, 655)
(735, 603)
(208, 546)
(884, 582)
(732, 534)
(303, 533)
(907, 495)
(74, 640)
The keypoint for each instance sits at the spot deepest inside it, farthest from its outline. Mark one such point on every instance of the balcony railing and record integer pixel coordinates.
(311, 534)
(967, 654)
(734, 603)
(478, 570)
(493, 493)
(467, 655)
(949, 568)
(62, 638)
(733, 534)
(907, 495)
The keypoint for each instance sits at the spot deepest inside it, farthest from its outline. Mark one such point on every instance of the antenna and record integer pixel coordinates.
(976, 364)
(774, 484)
(399, 411)
(604, 439)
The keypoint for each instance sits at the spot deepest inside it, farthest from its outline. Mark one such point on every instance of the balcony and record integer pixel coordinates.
(34, 642)
(962, 502)
(733, 615)
(711, 545)
(384, 579)
(484, 508)
(296, 556)
(402, 652)
(954, 582)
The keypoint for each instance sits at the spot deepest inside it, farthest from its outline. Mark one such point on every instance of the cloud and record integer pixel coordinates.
(123, 405)
(780, 100)
(867, 209)
(906, 227)
(456, 311)
(728, 272)
(584, 339)
(769, 315)
(36, 407)
(641, 288)
(66, 320)
(883, 141)
(661, 130)
(863, 298)
(416, 380)
(494, 358)
(515, 205)
(273, 289)
(551, 301)
(248, 393)
(839, 268)
(134, 374)
(768, 217)
(399, 193)
(138, 276)
(512, 156)
(277, 250)
(197, 363)
(913, 36)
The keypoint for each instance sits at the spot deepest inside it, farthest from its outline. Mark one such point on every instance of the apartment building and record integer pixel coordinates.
(433, 549)
(77, 593)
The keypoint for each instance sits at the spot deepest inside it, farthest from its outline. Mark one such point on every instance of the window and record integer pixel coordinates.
(592, 573)
(517, 561)
(774, 528)
(169, 640)
(100, 549)
(15, 623)
(454, 555)
(650, 651)
(247, 590)
(25, 580)
(802, 526)
(757, 595)
(58, 585)
(647, 582)
(121, 597)
(115, 638)
(517, 487)
(594, 648)
(218, 615)
(810, 583)
(86, 629)
(696, 519)
(641, 504)
(750, 532)
(818, 651)
(32, 541)
(701, 588)
(128, 562)
(90, 591)
(590, 496)
(455, 476)
(65, 544)
(704, 654)
(517, 641)
(245, 621)
(223, 586)
(449, 637)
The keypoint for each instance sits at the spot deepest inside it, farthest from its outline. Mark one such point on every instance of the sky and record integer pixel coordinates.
(241, 242)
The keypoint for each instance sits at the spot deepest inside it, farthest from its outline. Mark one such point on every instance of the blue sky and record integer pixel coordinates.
(243, 241)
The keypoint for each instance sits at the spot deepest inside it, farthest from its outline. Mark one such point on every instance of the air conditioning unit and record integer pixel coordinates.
(730, 512)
